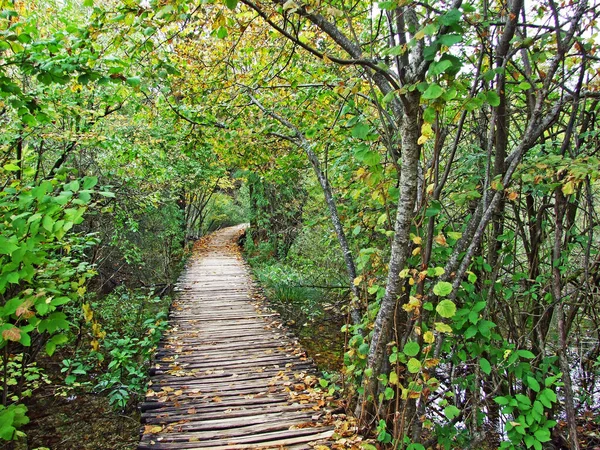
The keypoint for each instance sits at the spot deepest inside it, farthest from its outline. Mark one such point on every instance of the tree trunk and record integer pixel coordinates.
(383, 327)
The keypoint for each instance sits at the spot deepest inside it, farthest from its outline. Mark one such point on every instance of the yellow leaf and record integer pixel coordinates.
(422, 139)
(420, 35)
(417, 240)
(512, 196)
(568, 188)
(443, 327)
(428, 337)
(357, 280)
(95, 345)
(88, 314)
(426, 129)
(441, 240)
(416, 251)
(393, 378)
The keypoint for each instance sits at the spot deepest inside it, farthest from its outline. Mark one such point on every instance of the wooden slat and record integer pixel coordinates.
(223, 374)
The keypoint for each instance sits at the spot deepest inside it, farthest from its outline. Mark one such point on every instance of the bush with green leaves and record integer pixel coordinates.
(44, 270)
(132, 323)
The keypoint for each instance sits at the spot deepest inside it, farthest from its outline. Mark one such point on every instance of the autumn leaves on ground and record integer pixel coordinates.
(420, 180)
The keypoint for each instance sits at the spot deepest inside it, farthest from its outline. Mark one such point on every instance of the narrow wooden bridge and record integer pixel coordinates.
(225, 376)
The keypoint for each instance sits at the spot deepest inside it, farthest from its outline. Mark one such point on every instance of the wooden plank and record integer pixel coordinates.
(224, 372)
(276, 440)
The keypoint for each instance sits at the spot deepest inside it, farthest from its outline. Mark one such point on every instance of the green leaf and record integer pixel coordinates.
(492, 98)
(222, 32)
(433, 91)
(134, 81)
(533, 384)
(389, 393)
(89, 182)
(6, 246)
(452, 17)
(485, 366)
(25, 339)
(434, 209)
(442, 289)
(542, 435)
(231, 4)
(50, 348)
(24, 38)
(548, 394)
(28, 119)
(360, 130)
(502, 401)
(451, 412)
(438, 68)
(88, 3)
(10, 167)
(525, 354)
(446, 308)
(413, 365)
(364, 154)
(411, 349)
(449, 39)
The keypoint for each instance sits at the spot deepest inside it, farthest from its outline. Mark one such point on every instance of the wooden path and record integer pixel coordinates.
(225, 376)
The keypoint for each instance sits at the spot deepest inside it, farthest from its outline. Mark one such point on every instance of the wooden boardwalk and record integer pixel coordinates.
(225, 376)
